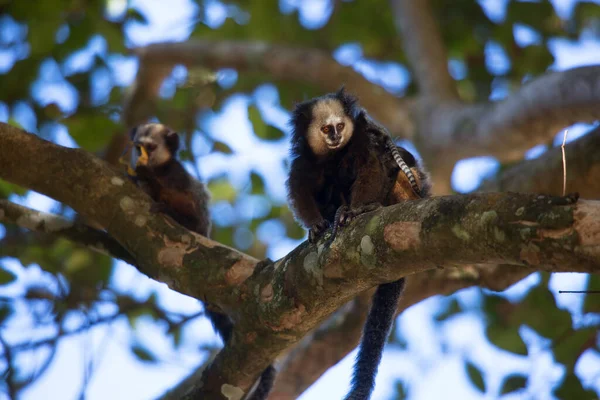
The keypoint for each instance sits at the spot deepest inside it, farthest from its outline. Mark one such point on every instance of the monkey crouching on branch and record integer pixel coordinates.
(179, 195)
(345, 164)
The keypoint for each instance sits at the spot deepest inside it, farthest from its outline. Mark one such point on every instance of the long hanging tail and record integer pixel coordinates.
(267, 378)
(375, 333)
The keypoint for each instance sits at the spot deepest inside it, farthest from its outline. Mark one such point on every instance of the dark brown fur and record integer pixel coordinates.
(165, 180)
(319, 184)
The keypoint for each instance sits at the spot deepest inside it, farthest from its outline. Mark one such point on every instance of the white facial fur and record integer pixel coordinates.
(328, 112)
(152, 133)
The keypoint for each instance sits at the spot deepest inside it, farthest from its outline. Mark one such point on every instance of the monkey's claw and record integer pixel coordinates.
(346, 214)
(261, 265)
(315, 231)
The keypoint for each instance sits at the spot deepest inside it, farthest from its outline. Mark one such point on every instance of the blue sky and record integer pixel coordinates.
(433, 372)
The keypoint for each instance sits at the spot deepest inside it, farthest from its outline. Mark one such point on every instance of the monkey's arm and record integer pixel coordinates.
(302, 188)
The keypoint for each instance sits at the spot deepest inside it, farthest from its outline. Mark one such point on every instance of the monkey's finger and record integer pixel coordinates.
(143, 158)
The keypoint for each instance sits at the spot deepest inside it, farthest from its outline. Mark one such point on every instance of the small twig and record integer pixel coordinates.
(564, 160)
(579, 291)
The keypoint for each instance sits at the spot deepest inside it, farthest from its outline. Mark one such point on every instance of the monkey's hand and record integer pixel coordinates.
(316, 230)
(345, 215)
(144, 172)
(262, 265)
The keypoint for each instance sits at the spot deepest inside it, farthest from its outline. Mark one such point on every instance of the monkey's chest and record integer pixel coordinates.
(181, 202)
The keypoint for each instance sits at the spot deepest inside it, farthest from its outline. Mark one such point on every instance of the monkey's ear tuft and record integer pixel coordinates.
(172, 141)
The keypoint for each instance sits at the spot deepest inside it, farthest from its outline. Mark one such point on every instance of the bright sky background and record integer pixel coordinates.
(432, 372)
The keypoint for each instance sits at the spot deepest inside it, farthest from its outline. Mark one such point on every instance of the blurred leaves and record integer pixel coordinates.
(571, 388)
(591, 304)
(475, 376)
(143, 353)
(262, 129)
(91, 130)
(512, 383)
(485, 48)
(6, 276)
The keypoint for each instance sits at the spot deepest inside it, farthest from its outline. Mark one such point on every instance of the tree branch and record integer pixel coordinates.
(321, 349)
(542, 175)
(536, 176)
(424, 48)
(530, 116)
(279, 62)
(277, 307)
(56, 226)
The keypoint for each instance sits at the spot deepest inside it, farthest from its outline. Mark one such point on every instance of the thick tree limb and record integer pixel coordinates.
(544, 174)
(506, 129)
(424, 48)
(56, 226)
(321, 349)
(276, 308)
(285, 63)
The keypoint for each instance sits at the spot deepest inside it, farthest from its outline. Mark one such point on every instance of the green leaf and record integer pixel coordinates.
(513, 383)
(91, 130)
(475, 376)
(6, 277)
(506, 338)
(7, 188)
(401, 390)
(570, 345)
(591, 304)
(261, 129)
(258, 185)
(571, 388)
(135, 15)
(177, 335)
(549, 323)
(139, 312)
(538, 15)
(6, 311)
(221, 148)
(79, 259)
(142, 353)
(222, 190)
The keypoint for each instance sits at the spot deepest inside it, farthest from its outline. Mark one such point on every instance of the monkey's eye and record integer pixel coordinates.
(150, 147)
(340, 126)
(326, 129)
(138, 150)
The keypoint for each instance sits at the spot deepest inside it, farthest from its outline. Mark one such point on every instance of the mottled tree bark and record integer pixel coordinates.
(274, 309)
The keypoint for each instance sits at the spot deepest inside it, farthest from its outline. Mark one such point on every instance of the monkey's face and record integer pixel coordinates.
(152, 146)
(330, 129)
